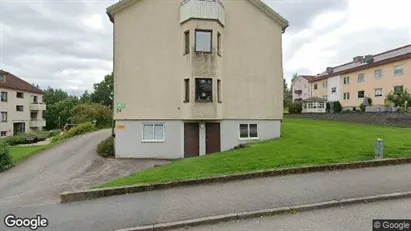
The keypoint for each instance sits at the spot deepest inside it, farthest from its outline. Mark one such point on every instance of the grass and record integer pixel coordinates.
(20, 153)
(303, 142)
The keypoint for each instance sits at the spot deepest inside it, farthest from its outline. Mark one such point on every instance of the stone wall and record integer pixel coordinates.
(396, 119)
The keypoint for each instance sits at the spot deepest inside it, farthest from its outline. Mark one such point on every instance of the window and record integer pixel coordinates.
(334, 89)
(33, 115)
(219, 91)
(19, 107)
(153, 132)
(20, 95)
(325, 83)
(398, 88)
(3, 134)
(378, 74)
(219, 44)
(325, 96)
(248, 131)
(321, 105)
(347, 80)
(3, 117)
(315, 86)
(43, 114)
(203, 41)
(346, 96)
(4, 96)
(398, 70)
(361, 94)
(378, 92)
(204, 90)
(2, 78)
(34, 99)
(187, 90)
(186, 42)
(361, 78)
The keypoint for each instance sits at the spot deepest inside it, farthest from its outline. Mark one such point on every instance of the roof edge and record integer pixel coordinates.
(271, 13)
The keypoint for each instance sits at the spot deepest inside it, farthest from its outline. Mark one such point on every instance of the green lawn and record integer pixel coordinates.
(20, 153)
(303, 142)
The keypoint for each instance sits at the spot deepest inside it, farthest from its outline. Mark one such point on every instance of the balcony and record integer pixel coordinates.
(37, 123)
(37, 106)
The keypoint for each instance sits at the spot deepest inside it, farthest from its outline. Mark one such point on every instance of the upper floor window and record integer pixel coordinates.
(347, 80)
(378, 74)
(34, 99)
(378, 92)
(187, 90)
(204, 90)
(334, 89)
(398, 70)
(204, 40)
(398, 88)
(315, 86)
(2, 78)
(186, 42)
(361, 94)
(219, 91)
(219, 44)
(19, 107)
(361, 78)
(3, 96)
(325, 83)
(346, 96)
(20, 95)
(3, 116)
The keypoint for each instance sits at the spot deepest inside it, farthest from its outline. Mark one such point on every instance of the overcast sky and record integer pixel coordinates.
(68, 43)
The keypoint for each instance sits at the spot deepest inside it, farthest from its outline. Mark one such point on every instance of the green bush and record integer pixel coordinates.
(75, 131)
(337, 106)
(54, 132)
(15, 140)
(106, 147)
(328, 107)
(5, 159)
(362, 107)
(295, 108)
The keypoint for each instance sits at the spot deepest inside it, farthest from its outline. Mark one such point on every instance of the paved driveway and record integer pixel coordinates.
(72, 165)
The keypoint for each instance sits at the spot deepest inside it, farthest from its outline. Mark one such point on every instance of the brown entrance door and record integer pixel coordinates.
(191, 140)
(213, 139)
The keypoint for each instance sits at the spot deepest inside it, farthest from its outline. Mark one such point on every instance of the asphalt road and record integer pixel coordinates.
(72, 165)
(349, 218)
(215, 199)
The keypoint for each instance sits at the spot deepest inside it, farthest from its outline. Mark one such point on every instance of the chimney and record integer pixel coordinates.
(369, 58)
(329, 70)
(357, 59)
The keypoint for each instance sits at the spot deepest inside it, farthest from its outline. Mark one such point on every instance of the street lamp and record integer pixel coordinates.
(59, 123)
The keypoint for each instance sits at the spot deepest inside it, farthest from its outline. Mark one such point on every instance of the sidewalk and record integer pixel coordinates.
(215, 199)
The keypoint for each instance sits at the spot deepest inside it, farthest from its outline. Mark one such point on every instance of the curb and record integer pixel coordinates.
(266, 212)
(68, 197)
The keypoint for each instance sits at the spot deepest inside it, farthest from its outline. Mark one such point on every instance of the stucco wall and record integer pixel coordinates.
(334, 82)
(230, 136)
(384, 118)
(303, 85)
(128, 141)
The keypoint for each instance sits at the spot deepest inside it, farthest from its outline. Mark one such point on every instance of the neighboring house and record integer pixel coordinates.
(21, 106)
(372, 76)
(195, 77)
(301, 88)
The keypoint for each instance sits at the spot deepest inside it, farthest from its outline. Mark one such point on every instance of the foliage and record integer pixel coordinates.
(295, 76)
(401, 99)
(328, 107)
(104, 91)
(337, 107)
(304, 143)
(6, 161)
(106, 147)
(89, 112)
(75, 131)
(362, 107)
(60, 109)
(295, 108)
(287, 100)
(26, 138)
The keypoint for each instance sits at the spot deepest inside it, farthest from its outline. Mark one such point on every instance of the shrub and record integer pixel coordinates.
(75, 131)
(15, 140)
(337, 106)
(6, 161)
(106, 147)
(295, 108)
(54, 132)
(362, 107)
(328, 107)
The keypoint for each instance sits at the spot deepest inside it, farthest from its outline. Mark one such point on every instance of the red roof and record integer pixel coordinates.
(13, 82)
(308, 77)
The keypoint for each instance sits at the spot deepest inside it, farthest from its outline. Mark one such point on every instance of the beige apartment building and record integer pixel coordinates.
(195, 77)
(21, 106)
(372, 76)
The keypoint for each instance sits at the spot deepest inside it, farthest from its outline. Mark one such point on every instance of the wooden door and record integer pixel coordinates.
(191, 140)
(213, 139)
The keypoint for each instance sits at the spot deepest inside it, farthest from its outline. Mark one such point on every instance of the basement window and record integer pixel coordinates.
(204, 90)
(248, 131)
(204, 40)
(153, 133)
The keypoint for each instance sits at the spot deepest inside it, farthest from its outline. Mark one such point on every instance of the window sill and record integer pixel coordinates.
(186, 101)
(398, 75)
(204, 52)
(204, 101)
(152, 141)
(245, 139)
(186, 53)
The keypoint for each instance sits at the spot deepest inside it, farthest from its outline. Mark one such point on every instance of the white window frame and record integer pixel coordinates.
(375, 74)
(346, 80)
(375, 91)
(248, 129)
(402, 67)
(325, 84)
(1, 116)
(153, 140)
(346, 96)
(363, 78)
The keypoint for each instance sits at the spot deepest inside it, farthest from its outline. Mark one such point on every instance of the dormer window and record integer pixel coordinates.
(2, 78)
(204, 40)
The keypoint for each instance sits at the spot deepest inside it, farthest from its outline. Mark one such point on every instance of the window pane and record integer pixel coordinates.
(361, 94)
(187, 90)
(187, 42)
(253, 131)
(158, 132)
(203, 41)
(243, 130)
(148, 132)
(204, 89)
(398, 70)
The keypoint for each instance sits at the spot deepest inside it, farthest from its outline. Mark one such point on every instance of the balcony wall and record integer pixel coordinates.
(37, 123)
(37, 107)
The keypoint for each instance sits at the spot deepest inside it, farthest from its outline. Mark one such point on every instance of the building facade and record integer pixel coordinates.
(196, 79)
(372, 76)
(21, 106)
(301, 87)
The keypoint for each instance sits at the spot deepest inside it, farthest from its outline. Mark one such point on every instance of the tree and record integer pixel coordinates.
(86, 97)
(295, 76)
(60, 113)
(89, 112)
(287, 100)
(337, 107)
(401, 99)
(104, 91)
(295, 108)
(53, 96)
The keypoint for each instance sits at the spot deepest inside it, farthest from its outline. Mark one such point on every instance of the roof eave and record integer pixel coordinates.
(272, 14)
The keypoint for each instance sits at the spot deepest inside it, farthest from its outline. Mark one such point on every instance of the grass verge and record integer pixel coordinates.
(303, 143)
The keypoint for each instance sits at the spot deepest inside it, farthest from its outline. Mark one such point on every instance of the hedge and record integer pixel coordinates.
(27, 138)
(5, 159)
(75, 131)
(106, 147)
